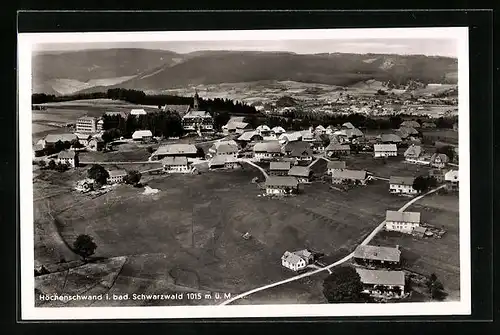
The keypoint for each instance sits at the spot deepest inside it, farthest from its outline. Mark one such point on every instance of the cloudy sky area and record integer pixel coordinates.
(429, 47)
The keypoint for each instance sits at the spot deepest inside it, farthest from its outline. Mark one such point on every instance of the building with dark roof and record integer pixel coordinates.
(370, 255)
(281, 185)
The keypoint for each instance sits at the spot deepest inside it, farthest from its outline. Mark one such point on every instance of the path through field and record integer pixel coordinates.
(328, 267)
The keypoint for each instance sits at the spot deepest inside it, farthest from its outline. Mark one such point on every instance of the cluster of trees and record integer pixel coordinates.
(448, 150)
(60, 146)
(99, 174)
(84, 246)
(343, 285)
(424, 183)
(133, 177)
(435, 287)
(52, 165)
(40, 98)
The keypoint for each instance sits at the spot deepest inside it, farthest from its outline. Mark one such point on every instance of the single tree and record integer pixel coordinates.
(98, 173)
(133, 177)
(52, 164)
(200, 152)
(343, 285)
(76, 144)
(84, 246)
(420, 184)
(42, 164)
(150, 150)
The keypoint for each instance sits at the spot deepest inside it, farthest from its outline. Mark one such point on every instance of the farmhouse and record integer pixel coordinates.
(116, 176)
(451, 179)
(179, 109)
(381, 282)
(278, 130)
(439, 160)
(359, 177)
(86, 124)
(195, 119)
(279, 168)
(83, 139)
(68, 157)
(302, 173)
(142, 135)
(281, 185)
(38, 150)
(51, 139)
(299, 150)
(267, 150)
(377, 256)
(412, 124)
(290, 137)
(172, 150)
(353, 133)
(403, 222)
(334, 166)
(413, 153)
(228, 162)
(390, 138)
(249, 136)
(96, 144)
(402, 185)
(263, 130)
(385, 150)
(437, 174)
(336, 149)
(175, 165)
(224, 148)
(307, 135)
(238, 127)
(137, 112)
(293, 261)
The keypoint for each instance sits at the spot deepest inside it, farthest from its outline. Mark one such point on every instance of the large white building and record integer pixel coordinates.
(175, 165)
(267, 150)
(195, 119)
(297, 260)
(116, 176)
(403, 222)
(385, 150)
(402, 185)
(86, 124)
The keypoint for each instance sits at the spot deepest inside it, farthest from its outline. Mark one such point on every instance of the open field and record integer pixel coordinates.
(394, 166)
(186, 236)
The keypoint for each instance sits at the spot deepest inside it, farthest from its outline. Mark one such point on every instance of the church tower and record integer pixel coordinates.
(195, 102)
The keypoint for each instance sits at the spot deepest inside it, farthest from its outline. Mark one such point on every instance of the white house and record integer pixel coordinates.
(385, 150)
(267, 150)
(297, 260)
(335, 165)
(278, 130)
(68, 157)
(263, 130)
(402, 185)
(176, 149)
(382, 282)
(290, 137)
(137, 112)
(281, 185)
(116, 176)
(196, 119)
(413, 153)
(439, 160)
(84, 139)
(249, 136)
(403, 222)
(224, 148)
(142, 135)
(340, 176)
(228, 162)
(451, 179)
(175, 165)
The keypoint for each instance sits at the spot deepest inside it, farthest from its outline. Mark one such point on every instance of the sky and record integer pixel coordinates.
(414, 46)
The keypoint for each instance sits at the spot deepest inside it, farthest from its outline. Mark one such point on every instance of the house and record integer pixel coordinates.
(401, 185)
(224, 148)
(412, 124)
(175, 165)
(330, 130)
(278, 130)
(377, 256)
(100, 124)
(437, 174)
(390, 138)
(263, 130)
(50, 140)
(172, 150)
(413, 153)
(238, 127)
(86, 124)
(138, 112)
(38, 150)
(293, 261)
(419, 231)
(179, 109)
(116, 176)
(249, 136)
(96, 144)
(382, 282)
(84, 139)
(439, 160)
(320, 130)
(348, 125)
(142, 135)
(290, 137)
(279, 168)
(68, 157)
(267, 150)
(307, 135)
(385, 150)
(299, 150)
(337, 149)
(335, 165)
(220, 161)
(451, 179)
(278, 185)
(359, 177)
(352, 133)
(195, 119)
(302, 173)
(403, 222)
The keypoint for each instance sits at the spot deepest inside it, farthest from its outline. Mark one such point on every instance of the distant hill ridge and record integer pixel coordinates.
(143, 69)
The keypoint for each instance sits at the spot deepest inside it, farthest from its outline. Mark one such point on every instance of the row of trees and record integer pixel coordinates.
(100, 175)
(423, 183)
(52, 165)
(62, 145)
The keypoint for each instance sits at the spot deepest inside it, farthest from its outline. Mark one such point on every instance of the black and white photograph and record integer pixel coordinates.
(232, 173)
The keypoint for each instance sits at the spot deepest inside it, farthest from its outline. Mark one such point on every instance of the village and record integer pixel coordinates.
(290, 163)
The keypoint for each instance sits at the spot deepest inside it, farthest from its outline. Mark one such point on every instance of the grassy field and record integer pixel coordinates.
(394, 166)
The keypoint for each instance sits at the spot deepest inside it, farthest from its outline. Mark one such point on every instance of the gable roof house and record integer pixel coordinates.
(177, 149)
(68, 157)
(439, 160)
(195, 119)
(335, 165)
(300, 150)
(290, 137)
(279, 168)
(381, 282)
(413, 153)
(403, 222)
(374, 255)
(410, 124)
(249, 136)
(278, 185)
(340, 176)
(401, 185)
(293, 261)
(266, 150)
(451, 179)
(385, 150)
(176, 164)
(337, 149)
(390, 138)
(302, 173)
(225, 148)
(142, 135)
(51, 139)
(278, 130)
(116, 176)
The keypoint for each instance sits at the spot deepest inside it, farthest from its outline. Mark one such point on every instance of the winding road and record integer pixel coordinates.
(328, 267)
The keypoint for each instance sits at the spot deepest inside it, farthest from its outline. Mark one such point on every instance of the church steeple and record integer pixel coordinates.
(196, 102)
